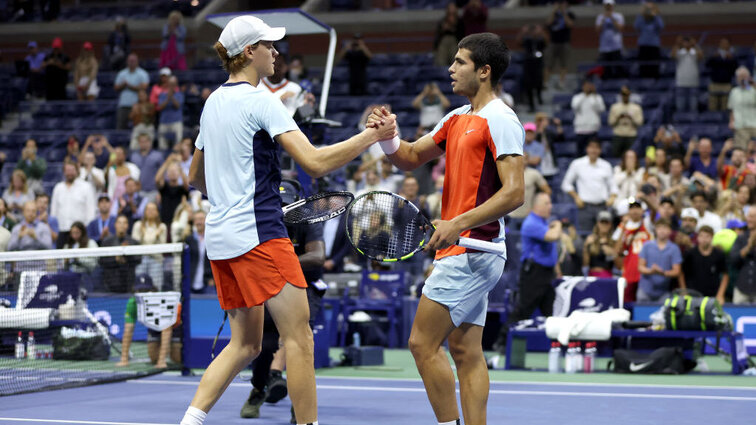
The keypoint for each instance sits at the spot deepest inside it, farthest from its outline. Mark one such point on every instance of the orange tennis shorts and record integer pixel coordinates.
(253, 278)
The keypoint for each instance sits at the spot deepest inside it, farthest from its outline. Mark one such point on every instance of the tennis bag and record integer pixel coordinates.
(79, 345)
(695, 313)
(665, 360)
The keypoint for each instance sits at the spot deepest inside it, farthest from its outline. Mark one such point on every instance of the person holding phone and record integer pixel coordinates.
(742, 106)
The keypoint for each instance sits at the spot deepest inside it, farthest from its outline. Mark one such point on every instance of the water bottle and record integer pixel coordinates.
(589, 357)
(20, 348)
(356, 339)
(31, 347)
(569, 358)
(555, 355)
(578, 359)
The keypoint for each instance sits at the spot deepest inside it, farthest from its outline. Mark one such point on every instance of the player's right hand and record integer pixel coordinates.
(387, 130)
(377, 117)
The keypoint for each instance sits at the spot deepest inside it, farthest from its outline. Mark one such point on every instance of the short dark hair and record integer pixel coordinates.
(706, 229)
(593, 140)
(488, 49)
(664, 222)
(697, 194)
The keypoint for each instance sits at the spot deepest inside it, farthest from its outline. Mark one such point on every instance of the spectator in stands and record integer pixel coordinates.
(728, 208)
(649, 26)
(119, 45)
(7, 222)
(173, 185)
(186, 150)
(625, 117)
(99, 145)
(162, 85)
(30, 233)
(743, 259)
(357, 56)
(722, 67)
(103, 225)
(36, 61)
(704, 162)
(705, 267)
(34, 167)
(677, 184)
(119, 170)
(72, 200)
(130, 203)
(128, 82)
(532, 39)
(689, 224)
(297, 71)
(609, 26)
(434, 199)
(91, 174)
(742, 106)
(85, 73)
(148, 161)
(656, 163)
(599, 250)
(705, 217)
(149, 231)
(200, 274)
(57, 64)
(548, 132)
(532, 147)
(474, 17)
(659, 263)
(733, 174)
(628, 176)
(534, 184)
(449, 31)
(668, 139)
(432, 105)
(118, 272)
(78, 238)
(42, 201)
(590, 183)
(17, 194)
(688, 54)
(588, 106)
(73, 150)
(173, 47)
(289, 92)
(560, 23)
(170, 106)
(142, 118)
(504, 96)
(743, 197)
(629, 238)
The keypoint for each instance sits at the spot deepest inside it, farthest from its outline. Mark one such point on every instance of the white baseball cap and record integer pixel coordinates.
(689, 213)
(165, 71)
(608, 2)
(245, 30)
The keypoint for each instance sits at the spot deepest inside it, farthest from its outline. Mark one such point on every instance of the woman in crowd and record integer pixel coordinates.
(173, 47)
(598, 251)
(148, 231)
(85, 74)
(628, 176)
(86, 265)
(17, 194)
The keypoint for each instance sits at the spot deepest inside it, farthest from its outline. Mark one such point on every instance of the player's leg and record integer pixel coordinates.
(431, 327)
(465, 346)
(291, 313)
(246, 336)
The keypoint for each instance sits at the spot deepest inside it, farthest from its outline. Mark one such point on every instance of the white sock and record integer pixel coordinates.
(454, 422)
(193, 416)
(311, 423)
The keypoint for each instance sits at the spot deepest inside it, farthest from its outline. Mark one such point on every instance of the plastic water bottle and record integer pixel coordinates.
(31, 347)
(356, 339)
(20, 348)
(589, 357)
(569, 358)
(555, 355)
(578, 359)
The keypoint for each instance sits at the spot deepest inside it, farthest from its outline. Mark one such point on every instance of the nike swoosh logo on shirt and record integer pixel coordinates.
(636, 367)
(470, 131)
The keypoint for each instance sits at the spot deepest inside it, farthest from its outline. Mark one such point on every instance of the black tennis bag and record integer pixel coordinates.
(695, 313)
(665, 360)
(78, 348)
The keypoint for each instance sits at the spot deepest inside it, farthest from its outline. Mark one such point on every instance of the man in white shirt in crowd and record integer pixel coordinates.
(588, 106)
(687, 54)
(705, 218)
(609, 26)
(742, 106)
(72, 200)
(91, 174)
(625, 117)
(289, 92)
(590, 183)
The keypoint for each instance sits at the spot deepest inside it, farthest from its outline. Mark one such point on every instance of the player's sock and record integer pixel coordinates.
(455, 422)
(193, 416)
(311, 423)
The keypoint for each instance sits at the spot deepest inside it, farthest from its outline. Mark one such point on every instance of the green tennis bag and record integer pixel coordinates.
(695, 313)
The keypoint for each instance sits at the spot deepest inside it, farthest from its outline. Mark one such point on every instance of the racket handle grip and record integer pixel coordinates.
(494, 248)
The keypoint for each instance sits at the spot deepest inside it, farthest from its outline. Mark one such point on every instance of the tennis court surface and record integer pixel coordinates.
(394, 395)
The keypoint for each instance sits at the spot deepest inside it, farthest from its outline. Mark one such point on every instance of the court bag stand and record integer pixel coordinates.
(665, 360)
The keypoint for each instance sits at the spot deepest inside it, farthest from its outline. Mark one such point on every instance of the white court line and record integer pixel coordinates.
(509, 392)
(62, 421)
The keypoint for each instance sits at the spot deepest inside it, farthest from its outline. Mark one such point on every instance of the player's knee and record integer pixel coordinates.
(249, 351)
(302, 341)
(418, 349)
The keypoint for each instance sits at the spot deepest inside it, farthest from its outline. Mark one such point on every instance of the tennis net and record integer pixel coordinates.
(78, 317)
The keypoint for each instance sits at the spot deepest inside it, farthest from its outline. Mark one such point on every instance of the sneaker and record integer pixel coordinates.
(251, 408)
(276, 388)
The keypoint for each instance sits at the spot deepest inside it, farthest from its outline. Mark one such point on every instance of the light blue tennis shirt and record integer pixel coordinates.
(242, 168)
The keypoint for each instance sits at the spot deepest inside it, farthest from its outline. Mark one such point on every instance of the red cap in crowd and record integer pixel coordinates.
(57, 43)
(88, 46)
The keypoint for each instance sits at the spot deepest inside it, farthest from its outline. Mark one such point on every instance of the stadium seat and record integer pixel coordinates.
(380, 291)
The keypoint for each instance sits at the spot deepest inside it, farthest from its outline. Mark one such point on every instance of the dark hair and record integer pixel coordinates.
(42, 195)
(697, 194)
(664, 222)
(488, 49)
(706, 229)
(593, 140)
(84, 239)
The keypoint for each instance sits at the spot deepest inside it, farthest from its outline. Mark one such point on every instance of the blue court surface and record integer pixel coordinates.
(162, 399)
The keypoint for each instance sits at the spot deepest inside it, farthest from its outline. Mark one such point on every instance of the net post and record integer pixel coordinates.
(186, 291)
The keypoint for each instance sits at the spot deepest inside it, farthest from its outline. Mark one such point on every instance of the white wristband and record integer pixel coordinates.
(390, 146)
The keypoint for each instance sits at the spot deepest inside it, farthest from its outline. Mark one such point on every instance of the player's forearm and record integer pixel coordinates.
(502, 203)
(329, 158)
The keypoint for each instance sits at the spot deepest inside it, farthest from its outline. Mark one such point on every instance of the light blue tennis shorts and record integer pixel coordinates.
(462, 283)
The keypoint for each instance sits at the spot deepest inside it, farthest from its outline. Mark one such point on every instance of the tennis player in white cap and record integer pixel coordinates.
(236, 165)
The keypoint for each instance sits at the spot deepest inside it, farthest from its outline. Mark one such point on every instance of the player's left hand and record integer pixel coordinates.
(446, 235)
(378, 117)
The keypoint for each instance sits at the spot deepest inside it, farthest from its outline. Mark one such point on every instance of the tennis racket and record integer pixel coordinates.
(317, 208)
(386, 227)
